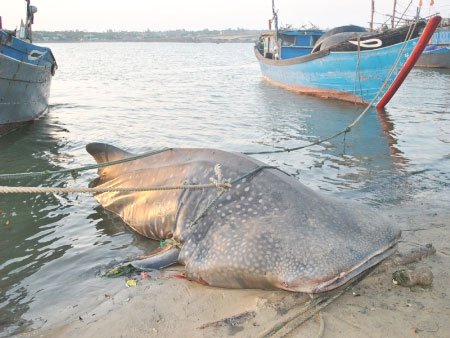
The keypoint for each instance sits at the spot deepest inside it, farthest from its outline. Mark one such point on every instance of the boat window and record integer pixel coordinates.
(287, 40)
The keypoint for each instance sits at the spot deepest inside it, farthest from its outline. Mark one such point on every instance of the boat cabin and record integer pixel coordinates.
(298, 43)
(289, 44)
(441, 36)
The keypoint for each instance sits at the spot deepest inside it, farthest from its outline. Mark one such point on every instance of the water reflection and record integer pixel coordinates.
(109, 226)
(387, 125)
(28, 222)
(53, 247)
(354, 160)
(106, 222)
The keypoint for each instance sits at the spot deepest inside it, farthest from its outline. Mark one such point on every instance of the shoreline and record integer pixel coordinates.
(375, 307)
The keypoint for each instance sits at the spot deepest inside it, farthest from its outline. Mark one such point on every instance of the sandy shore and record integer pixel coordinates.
(170, 306)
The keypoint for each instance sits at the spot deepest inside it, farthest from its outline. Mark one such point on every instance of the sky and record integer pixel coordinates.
(140, 15)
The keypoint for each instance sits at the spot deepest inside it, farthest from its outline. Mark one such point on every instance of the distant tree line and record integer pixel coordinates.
(179, 35)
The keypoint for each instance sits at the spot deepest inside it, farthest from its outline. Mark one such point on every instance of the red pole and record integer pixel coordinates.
(411, 61)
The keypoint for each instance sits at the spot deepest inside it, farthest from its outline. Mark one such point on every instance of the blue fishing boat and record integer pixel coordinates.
(437, 53)
(347, 63)
(294, 43)
(26, 71)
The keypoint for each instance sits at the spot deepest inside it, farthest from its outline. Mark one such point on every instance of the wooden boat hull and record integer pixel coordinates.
(25, 79)
(368, 76)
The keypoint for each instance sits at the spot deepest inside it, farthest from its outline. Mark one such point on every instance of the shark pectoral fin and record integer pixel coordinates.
(158, 259)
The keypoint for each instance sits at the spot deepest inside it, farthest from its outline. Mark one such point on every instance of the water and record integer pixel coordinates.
(143, 96)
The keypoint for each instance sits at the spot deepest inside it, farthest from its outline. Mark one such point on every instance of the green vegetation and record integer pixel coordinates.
(179, 35)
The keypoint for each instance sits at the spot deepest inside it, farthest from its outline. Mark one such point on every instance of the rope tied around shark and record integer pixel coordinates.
(218, 171)
(222, 185)
(211, 204)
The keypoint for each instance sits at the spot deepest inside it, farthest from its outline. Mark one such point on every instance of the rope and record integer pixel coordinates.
(206, 210)
(33, 190)
(403, 14)
(83, 168)
(360, 116)
(220, 184)
(254, 172)
(221, 192)
(318, 302)
(358, 70)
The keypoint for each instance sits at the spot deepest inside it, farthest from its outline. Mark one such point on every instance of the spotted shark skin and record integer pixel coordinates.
(268, 231)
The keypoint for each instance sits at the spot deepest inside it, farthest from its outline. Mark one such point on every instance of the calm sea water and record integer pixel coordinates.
(143, 96)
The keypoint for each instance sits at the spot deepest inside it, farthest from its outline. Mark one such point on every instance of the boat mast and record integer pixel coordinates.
(371, 15)
(418, 10)
(30, 20)
(275, 17)
(275, 21)
(393, 14)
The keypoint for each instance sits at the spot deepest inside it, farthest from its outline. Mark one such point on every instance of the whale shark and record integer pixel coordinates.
(265, 230)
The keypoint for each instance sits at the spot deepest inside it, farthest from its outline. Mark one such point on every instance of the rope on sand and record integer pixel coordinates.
(287, 327)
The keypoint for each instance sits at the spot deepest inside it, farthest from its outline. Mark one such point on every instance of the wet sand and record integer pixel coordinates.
(375, 307)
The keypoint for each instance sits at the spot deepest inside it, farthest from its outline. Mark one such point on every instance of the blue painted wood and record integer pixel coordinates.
(348, 63)
(441, 36)
(437, 54)
(335, 74)
(290, 52)
(435, 57)
(26, 71)
(295, 43)
(22, 50)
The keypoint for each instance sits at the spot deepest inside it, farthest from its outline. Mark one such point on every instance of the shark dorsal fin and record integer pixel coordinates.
(103, 152)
